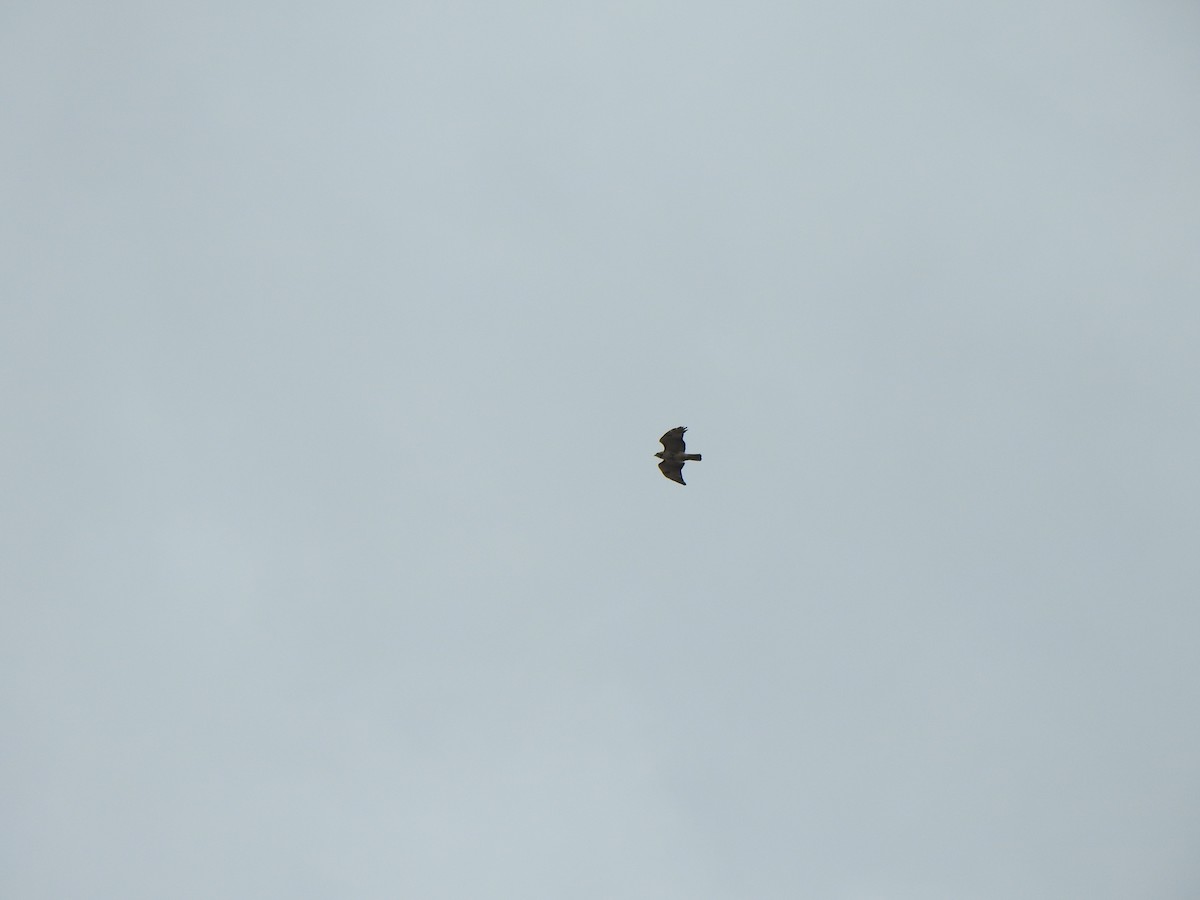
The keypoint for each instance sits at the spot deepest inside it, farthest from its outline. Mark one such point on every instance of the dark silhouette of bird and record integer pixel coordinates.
(674, 454)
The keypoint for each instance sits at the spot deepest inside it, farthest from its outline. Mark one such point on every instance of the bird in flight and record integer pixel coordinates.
(673, 454)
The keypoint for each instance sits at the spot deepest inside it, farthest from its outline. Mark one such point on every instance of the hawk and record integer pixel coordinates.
(673, 456)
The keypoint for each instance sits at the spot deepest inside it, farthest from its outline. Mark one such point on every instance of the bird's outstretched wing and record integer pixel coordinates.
(672, 441)
(673, 470)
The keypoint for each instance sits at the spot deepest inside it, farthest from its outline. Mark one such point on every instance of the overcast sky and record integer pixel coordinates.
(335, 344)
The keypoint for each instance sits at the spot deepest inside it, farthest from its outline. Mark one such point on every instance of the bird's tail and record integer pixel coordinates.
(695, 456)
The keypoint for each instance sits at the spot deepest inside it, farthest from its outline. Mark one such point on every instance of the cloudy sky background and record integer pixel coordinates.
(334, 346)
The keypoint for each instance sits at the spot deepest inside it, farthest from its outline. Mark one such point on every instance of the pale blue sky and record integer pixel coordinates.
(335, 345)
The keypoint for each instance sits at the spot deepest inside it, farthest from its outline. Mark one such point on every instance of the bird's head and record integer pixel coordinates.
(659, 455)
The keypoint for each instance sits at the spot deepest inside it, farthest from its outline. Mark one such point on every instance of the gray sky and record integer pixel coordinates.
(335, 346)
